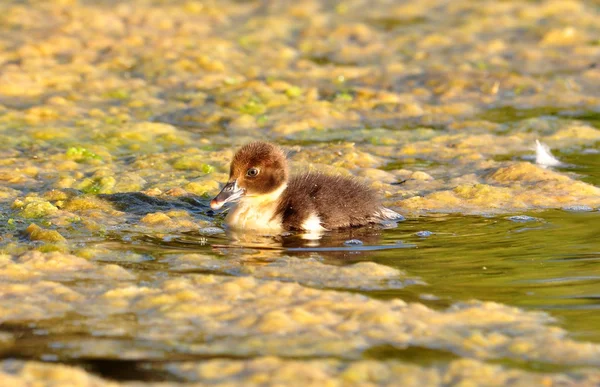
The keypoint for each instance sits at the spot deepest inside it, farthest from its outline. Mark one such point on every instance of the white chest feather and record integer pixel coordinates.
(257, 213)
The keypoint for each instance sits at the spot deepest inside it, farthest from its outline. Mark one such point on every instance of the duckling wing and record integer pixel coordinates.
(336, 201)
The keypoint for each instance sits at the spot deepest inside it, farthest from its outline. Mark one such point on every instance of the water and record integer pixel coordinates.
(551, 264)
(546, 260)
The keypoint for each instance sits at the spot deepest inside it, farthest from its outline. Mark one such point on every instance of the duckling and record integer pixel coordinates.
(266, 199)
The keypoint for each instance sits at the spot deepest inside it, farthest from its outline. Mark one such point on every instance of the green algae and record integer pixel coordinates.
(195, 162)
(33, 208)
(80, 154)
(121, 94)
(98, 185)
(253, 107)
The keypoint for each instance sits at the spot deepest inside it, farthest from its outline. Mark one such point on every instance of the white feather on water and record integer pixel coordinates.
(544, 157)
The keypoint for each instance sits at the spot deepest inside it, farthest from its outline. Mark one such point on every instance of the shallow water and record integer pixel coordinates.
(545, 260)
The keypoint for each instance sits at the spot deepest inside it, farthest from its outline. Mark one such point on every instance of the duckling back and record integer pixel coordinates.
(314, 201)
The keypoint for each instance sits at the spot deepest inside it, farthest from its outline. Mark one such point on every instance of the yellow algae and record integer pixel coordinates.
(53, 262)
(37, 264)
(44, 301)
(575, 132)
(562, 37)
(275, 322)
(483, 194)
(420, 175)
(345, 155)
(176, 192)
(549, 187)
(41, 374)
(88, 202)
(202, 187)
(54, 195)
(377, 174)
(303, 316)
(219, 371)
(36, 233)
(129, 182)
(525, 172)
(362, 275)
(168, 221)
(523, 185)
(157, 218)
(377, 322)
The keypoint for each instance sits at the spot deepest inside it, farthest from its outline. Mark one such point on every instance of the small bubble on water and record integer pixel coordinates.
(522, 218)
(578, 208)
(424, 234)
(353, 242)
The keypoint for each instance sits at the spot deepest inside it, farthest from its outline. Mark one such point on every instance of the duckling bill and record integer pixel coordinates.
(267, 199)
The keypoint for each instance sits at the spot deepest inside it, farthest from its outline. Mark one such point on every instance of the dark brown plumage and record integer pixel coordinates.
(337, 201)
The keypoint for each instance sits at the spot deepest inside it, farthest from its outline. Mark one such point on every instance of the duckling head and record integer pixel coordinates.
(258, 169)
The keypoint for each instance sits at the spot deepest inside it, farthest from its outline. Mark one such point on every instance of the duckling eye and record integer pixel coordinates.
(252, 172)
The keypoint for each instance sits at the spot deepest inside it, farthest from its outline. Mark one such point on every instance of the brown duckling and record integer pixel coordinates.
(266, 199)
